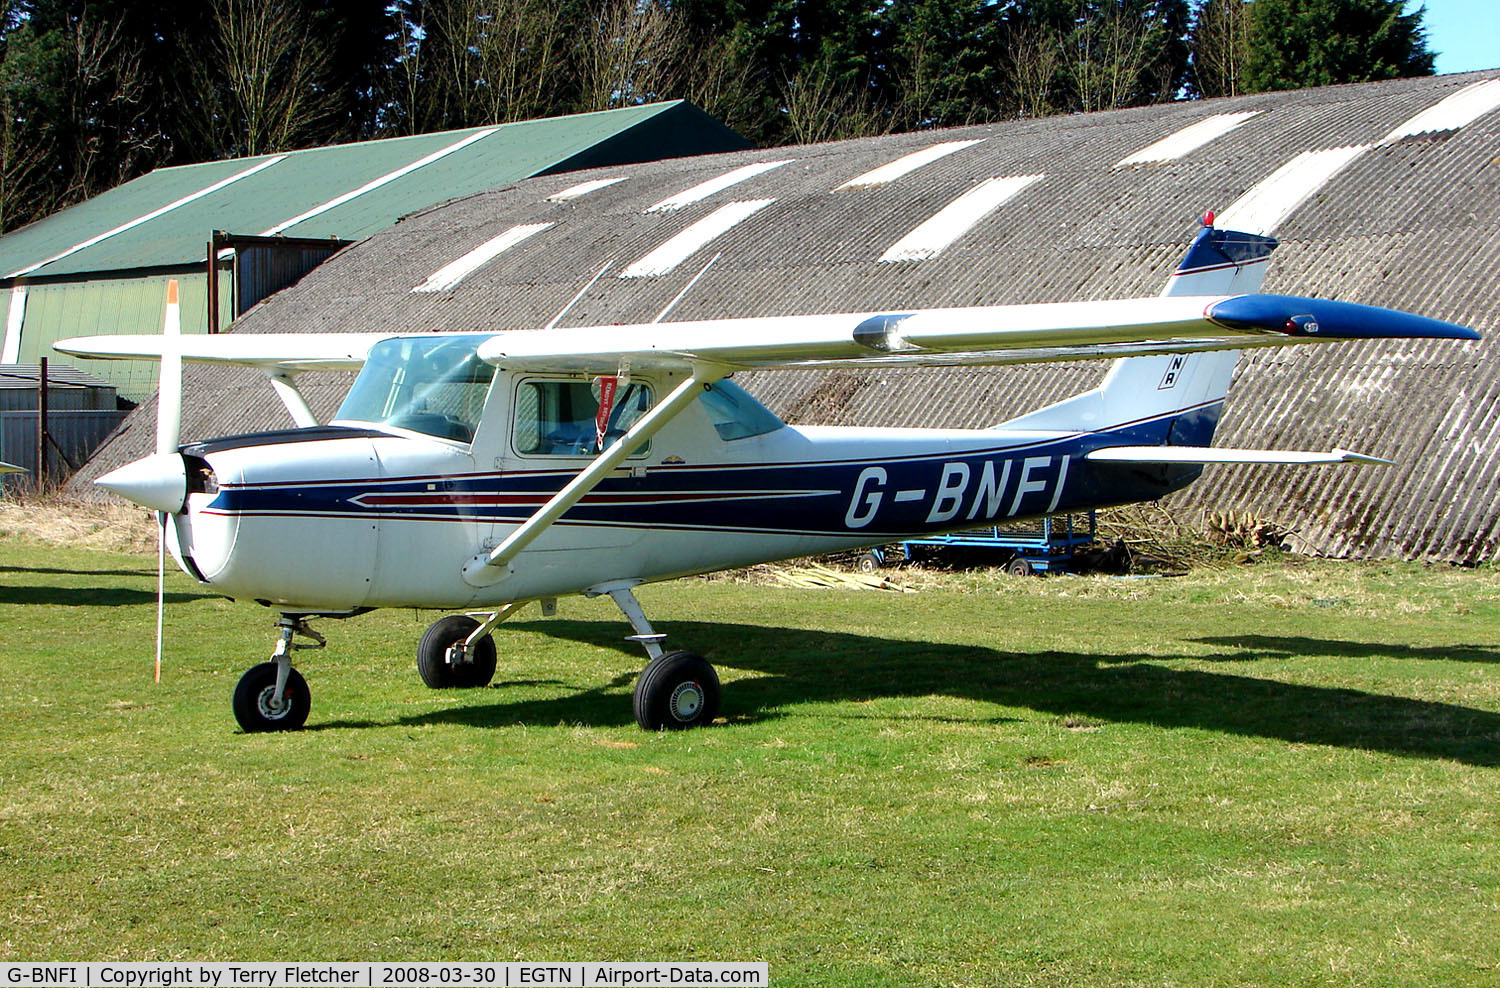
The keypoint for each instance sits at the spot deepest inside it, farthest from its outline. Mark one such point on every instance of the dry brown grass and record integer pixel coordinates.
(63, 521)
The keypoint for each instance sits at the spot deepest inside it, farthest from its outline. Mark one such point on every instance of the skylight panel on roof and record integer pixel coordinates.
(377, 183)
(907, 163)
(584, 188)
(961, 215)
(694, 238)
(209, 190)
(705, 189)
(1187, 140)
(1263, 208)
(1452, 112)
(451, 274)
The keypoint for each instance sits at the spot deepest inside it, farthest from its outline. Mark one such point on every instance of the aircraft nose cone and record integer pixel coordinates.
(158, 481)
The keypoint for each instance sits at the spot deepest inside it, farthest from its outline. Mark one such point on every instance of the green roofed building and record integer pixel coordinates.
(102, 266)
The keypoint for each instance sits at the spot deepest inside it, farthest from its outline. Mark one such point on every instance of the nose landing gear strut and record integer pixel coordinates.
(272, 696)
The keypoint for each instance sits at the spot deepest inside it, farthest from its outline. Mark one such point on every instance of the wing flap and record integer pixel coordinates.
(1213, 454)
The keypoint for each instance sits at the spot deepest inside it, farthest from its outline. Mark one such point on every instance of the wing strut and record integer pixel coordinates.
(487, 568)
(284, 384)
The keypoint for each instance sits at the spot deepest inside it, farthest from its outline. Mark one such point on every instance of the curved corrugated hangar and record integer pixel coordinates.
(1386, 193)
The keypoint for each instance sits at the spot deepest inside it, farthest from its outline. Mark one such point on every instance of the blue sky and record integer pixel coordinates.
(1464, 33)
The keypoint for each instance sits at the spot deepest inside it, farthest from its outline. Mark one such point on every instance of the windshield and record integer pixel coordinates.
(734, 413)
(433, 385)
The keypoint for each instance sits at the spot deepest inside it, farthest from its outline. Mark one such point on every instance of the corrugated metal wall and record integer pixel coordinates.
(92, 306)
(264, 271)
(77, 432)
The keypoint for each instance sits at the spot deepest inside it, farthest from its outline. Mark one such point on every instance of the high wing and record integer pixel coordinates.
(997, 334)
(1002, 334)
(285, 353)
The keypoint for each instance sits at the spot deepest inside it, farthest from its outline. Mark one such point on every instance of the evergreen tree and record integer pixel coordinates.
(939, 62)
(1298, 43)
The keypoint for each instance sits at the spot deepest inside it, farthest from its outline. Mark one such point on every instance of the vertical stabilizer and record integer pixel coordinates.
(1222, 262)
(1219, 262)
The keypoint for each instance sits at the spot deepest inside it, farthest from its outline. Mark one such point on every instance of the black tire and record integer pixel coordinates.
(675, 691)
(252, 700)
(1019, 567)
(868, 563)
(432, 655)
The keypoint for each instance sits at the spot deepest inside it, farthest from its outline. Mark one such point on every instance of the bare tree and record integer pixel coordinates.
(472, 62)
(525, 53)
(106, 102)
(258, 81)
(635, 53)
(72, 114)
(23, 161)
(718, 79)
(1220, 47)
(1111, 49)
(27, 132)
(408, 90)
(1036, 56)
(821, 107)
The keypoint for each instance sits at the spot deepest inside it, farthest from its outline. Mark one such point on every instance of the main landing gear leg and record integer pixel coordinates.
(273, 696)
(676, 690)
(457, 652)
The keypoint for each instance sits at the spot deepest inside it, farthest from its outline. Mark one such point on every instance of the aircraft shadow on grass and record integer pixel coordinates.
(1276, 646)
(77, 572)
(89, 596)
(801, 666)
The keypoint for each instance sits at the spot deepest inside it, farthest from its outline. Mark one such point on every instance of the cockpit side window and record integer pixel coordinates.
(433, 385)
(735, 414)
(557, 418)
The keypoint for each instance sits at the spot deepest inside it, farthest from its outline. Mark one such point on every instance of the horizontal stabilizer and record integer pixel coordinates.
(286, 352)
(1212, 454)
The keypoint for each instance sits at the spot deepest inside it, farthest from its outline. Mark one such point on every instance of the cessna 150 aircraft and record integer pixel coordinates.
(480, 471)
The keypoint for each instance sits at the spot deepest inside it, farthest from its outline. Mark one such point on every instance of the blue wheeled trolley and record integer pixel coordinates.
(1046, 550)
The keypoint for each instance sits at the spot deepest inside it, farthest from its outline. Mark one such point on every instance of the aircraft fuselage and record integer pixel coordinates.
(347, 516)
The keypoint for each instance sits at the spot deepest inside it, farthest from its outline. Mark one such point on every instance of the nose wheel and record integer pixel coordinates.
(273, 696)
(258, 708)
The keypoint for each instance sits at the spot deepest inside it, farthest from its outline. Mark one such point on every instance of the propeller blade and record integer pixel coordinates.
(169, 388)
(161, 585)
(168, 435)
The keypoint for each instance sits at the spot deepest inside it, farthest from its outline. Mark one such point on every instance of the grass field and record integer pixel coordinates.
(1282, 774)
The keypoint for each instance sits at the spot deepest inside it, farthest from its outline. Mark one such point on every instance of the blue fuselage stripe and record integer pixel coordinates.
(867, 496)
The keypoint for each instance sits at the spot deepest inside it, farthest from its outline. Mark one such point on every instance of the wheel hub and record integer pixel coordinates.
(269, 708)
(686, 701)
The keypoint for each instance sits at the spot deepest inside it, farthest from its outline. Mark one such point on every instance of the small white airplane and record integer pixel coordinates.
(480, 471)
